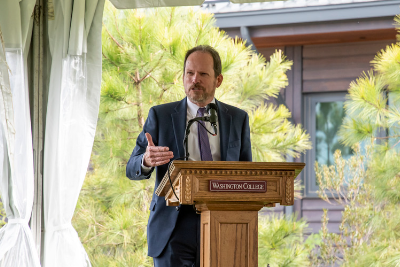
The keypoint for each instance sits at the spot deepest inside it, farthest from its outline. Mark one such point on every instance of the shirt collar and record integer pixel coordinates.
(192, 108)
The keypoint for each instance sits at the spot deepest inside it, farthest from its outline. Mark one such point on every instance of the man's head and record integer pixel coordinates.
(201, 74)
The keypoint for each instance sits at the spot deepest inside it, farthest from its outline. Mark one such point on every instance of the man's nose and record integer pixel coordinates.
(195, 78)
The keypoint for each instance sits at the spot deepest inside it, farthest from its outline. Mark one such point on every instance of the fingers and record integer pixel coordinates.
(156, 155)
(154, 158)
(156, 149)
(149, 139)
(157, 162)
(161, 155)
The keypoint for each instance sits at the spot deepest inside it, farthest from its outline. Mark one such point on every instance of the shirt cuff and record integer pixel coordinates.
(145, 170)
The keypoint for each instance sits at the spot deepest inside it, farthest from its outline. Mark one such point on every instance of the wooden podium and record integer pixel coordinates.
(229, 194)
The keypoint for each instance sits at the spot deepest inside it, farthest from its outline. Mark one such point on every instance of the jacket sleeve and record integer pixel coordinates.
(245, 152)
(134, 165)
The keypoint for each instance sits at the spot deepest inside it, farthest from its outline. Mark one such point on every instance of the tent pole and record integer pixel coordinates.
(38, 82)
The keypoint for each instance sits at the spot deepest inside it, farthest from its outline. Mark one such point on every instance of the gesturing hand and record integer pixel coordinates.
(156, 155)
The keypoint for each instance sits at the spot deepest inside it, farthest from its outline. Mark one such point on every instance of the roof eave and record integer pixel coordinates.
(310, 14)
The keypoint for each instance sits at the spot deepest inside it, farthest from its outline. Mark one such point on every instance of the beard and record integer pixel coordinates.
(198, 94)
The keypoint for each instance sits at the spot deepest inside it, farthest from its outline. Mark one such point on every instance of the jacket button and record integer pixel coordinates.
(178, 208)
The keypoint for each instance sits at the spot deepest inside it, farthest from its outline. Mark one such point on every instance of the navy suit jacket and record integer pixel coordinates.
(166, 124)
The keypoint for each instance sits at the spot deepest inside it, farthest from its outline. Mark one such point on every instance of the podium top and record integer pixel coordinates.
(223, 167)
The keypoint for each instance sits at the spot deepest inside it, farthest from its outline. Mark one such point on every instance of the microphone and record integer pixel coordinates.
(212, 110)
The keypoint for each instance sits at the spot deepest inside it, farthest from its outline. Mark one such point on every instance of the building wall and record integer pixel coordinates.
(321, 72)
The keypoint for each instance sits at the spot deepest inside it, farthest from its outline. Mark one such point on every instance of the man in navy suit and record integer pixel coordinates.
(173, 233)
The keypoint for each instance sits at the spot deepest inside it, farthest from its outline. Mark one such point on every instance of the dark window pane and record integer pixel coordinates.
(329, 117)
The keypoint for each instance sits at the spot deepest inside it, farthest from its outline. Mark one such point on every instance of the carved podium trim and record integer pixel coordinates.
(188, 189)
(289, 193)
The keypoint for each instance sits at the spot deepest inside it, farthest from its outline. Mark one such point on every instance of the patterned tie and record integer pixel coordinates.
(204, 144)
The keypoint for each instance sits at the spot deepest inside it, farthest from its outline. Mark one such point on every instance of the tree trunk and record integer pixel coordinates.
(139, 101)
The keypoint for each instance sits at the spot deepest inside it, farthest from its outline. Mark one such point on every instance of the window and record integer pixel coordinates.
(323, 116)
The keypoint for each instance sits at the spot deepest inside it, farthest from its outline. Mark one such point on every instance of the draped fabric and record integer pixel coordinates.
(73, 103)
(16, 157)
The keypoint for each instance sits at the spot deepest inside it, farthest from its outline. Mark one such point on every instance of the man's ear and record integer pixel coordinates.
(220, 78)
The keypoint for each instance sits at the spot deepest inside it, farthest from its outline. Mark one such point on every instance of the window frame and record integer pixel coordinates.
(309, 122)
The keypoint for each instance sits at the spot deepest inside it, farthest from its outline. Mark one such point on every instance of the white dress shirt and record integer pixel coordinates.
(193, 140)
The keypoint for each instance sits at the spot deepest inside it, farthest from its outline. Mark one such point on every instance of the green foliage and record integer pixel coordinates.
(281, 242)
(372, 108)
(368, 183)
(111, 218)
(272, 135)
(345, 182)
(143, 54)
(369, 231)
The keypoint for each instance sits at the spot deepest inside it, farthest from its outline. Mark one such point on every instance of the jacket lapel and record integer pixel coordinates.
(224, 120)
(179, 125)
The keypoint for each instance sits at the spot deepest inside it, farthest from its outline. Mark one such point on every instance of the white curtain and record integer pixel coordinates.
(17, 248)
(73, 103)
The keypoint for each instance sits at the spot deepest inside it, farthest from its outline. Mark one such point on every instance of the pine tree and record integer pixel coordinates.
(369, 182)
(143, 54)
(282, 242)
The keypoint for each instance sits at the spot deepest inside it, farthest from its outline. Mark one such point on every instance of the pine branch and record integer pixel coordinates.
(113, 110)
(112, 62)
(386, 137)
(170, 18)
(158, 83)
(133, 78)
(395, 144)
(116, 244)
(112, 37)
(378, 108)
(118, 31)
(197, 38)
(149, 72)
(93, 237)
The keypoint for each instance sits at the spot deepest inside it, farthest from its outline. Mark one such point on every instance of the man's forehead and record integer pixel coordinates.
(200, 59)
(200, 53)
